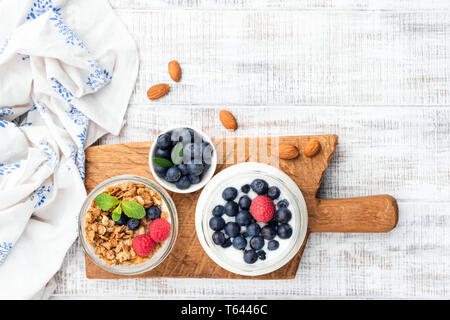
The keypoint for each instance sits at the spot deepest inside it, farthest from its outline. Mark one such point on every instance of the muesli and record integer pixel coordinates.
(126, 224)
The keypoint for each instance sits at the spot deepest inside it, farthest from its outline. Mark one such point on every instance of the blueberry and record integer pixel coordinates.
(283, 203)
(273, 193)
(284, 231)
(245, 202)
(195, 169)
(205, 145)
(227, 243)
(218, 238)
(183, 184)
(239, 243)
(243, 218)
(245, 188)
(194, 179)
(133, 224)
(160, 171)
(250, 256)
(261, 255)
(183, 168)
(205, 166)
(176, 136)
(153, 213)
(273, 223)
(164, 141)
(244, 234)
(231, 208)
(268, 232)
(160, 153)
(257, 242)
(273, 245)
(232, 229)
(283, 215)
(207, 151)
(229, 193)
(173, 174)
(191, 133)
(192, 153)
(218, 211)
(122, 220)
(182, 135)
(259, 186)
(216, 223)
(253, 230)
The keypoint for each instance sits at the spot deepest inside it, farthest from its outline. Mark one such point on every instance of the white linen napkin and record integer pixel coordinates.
(67, 71)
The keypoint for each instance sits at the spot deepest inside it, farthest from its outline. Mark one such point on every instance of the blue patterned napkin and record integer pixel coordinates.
(62, 86)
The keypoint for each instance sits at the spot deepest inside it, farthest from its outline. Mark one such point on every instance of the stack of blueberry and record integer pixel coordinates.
(152, 213)
(181, 157)
(256, 221)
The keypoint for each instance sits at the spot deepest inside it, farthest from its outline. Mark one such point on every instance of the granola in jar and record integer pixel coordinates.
(127, 224)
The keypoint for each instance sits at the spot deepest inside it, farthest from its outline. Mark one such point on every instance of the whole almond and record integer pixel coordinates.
(175, 70)
(158, 91)
(287, 151)
(312, 148)
(228, 120)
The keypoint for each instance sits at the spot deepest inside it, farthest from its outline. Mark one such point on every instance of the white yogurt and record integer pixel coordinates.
(237, 176)
(235, 255)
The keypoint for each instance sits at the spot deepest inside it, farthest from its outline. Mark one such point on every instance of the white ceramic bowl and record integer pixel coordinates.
(230, 258)
(206, 176)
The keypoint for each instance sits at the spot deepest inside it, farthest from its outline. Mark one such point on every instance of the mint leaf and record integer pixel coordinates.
(105, 201)
(177, 153)
(133, 209)
(117, 212)
(163, 162)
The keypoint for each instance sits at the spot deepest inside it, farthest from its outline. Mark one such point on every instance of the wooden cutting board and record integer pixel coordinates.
(187, 259)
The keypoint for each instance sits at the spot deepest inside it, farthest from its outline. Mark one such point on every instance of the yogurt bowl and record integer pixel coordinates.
(110, 244)
(235, 177)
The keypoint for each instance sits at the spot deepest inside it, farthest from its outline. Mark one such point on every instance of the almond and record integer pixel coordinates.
(158, 91)
(312, 148)
(175, 70)
(287, 151)
(228, 120)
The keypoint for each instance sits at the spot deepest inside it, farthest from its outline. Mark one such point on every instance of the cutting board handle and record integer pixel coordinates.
(365, 214)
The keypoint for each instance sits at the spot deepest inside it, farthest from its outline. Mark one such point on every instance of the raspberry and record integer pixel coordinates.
(159, 229)
(143, 245)
(262, 209)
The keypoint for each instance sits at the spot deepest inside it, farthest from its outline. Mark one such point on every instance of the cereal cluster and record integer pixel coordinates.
(111, 242)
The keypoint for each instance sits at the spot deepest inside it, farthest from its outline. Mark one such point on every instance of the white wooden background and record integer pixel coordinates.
(375, 72)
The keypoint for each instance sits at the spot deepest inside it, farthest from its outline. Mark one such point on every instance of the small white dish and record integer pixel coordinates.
(206, 175)
(237, 175)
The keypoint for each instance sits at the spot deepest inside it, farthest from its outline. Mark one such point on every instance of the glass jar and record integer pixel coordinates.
(162, 253)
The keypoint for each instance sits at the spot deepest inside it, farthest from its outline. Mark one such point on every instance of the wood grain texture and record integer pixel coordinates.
(363, 214)
(375, 72)
(369, 214)
(281, 4)
(402, 151)
(303, 57)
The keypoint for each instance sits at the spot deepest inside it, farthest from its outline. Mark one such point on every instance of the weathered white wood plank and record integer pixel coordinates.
(402, 151)
(263, 59)
(283, 4)
(294, 57)
(411, 261)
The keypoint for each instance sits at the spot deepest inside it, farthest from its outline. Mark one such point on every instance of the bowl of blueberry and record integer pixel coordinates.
(183, 160)
(251, 219)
